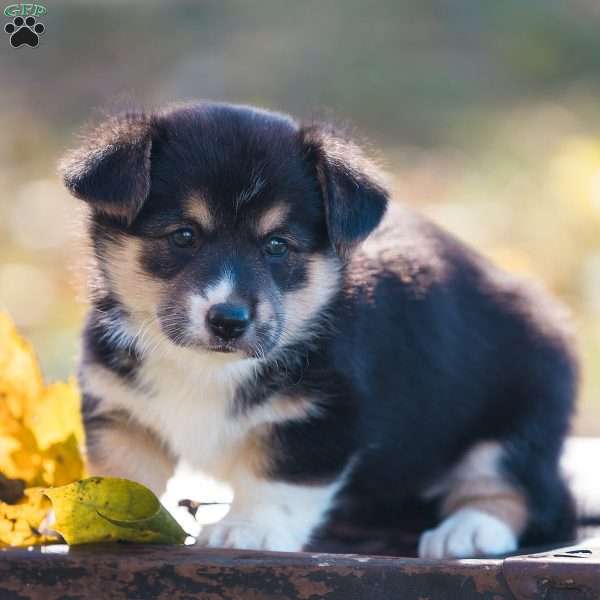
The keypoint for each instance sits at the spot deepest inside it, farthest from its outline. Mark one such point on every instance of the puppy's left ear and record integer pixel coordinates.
(111, 171)
(353, 188)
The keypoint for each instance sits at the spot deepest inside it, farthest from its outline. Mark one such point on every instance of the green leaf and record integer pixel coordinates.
(108, 509)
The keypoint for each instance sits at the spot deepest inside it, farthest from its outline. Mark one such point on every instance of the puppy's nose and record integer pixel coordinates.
(228, 321)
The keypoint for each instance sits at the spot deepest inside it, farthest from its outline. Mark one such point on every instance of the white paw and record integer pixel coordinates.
(468, 533)
(247, 535)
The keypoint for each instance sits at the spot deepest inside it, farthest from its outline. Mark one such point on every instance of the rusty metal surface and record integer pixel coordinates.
(130, 572)
(175, 573)
(568, 573)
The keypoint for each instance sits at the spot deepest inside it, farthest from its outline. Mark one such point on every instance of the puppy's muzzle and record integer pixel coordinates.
(228, 321)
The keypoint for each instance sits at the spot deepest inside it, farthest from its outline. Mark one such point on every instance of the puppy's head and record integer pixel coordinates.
(219, 227)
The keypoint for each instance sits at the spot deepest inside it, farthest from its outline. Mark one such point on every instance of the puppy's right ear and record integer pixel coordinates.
(111, 171)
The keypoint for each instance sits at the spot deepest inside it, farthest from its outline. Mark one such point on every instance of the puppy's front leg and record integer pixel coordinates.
(118, 447)
(270, 515)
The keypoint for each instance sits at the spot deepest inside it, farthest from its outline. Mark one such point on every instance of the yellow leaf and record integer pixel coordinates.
(20, 523)
(57, 414)
(40, 426)
(20, 375)
(62, 462)
(110, 509)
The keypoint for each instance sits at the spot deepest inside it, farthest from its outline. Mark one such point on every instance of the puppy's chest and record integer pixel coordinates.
(192, 411)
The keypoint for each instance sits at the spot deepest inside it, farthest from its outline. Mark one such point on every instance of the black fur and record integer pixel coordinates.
(425, 349)
(113, 172)
(355, 198)
(120, 357)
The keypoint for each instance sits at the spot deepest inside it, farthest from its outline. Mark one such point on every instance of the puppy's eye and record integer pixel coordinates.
(276, 246)
(183, 238)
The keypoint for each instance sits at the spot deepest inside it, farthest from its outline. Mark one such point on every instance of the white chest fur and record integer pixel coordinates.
(190, 405)
(185, 397)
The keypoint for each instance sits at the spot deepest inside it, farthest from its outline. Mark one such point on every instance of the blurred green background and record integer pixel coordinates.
(487, 115)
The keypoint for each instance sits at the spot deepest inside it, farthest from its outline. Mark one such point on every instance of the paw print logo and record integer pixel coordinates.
(24, 32)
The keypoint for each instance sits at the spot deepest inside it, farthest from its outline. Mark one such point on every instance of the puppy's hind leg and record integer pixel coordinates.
(484, 514)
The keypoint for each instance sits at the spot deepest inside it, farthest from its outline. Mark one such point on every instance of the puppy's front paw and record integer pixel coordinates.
(247, 535)
(468, 533)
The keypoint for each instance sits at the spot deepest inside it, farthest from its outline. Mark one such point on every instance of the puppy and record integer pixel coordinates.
(253, 313)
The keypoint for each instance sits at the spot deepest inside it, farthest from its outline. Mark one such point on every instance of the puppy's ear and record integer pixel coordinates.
(353, 188)
(111, 171)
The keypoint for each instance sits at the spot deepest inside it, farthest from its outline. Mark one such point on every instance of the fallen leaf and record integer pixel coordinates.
(41, 430)
(20, 376)
(108, 509)
(19, 522)
(57, 414)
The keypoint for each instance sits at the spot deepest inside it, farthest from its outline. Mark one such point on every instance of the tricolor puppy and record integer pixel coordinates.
(255, 314)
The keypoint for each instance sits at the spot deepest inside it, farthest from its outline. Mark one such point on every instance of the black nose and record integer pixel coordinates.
(228, 321)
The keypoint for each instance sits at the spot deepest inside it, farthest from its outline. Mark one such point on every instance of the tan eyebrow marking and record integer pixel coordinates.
(272, 218)
(197, 208)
